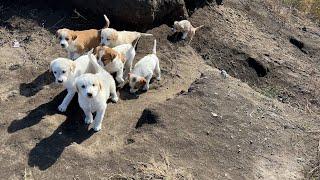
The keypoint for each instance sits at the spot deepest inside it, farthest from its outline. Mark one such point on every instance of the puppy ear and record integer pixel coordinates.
(58, 32)
(100, 85)
(50, 67)
(114, 36)
(143, 81)
(74, 37)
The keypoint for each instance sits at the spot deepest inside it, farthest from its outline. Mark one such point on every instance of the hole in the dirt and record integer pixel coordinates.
(192, 5)
(299, 44)
(148, 117)
(260, 69)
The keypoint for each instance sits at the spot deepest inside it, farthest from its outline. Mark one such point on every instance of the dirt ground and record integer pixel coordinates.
(261, 122)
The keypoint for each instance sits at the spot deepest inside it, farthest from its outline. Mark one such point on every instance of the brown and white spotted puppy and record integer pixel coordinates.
(186, 28)
(78, 42)
(117, 60)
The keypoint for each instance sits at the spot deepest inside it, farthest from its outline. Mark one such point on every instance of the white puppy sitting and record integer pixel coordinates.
(112, 38)
(94, 90)
(143, 71)
(117, 60)
(65, 71)
(186, 28)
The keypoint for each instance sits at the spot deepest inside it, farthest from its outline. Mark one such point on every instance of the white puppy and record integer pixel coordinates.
(186, 28)
(143, 71)
(65, 71)
(117, 60)
(94, 90)
(112, 38)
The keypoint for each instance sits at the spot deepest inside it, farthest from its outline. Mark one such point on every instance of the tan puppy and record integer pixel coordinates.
(112, 38)
(78, 42)
(186, 28)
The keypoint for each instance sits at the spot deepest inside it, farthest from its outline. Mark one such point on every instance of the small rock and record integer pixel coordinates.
(250, 142)
(231, 137)
(214, 114)
(16, 44)
(239, 150)
(224, 74)
(60, 133)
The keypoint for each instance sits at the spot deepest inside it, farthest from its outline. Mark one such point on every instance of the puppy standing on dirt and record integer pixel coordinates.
(112, 38)
(65, 71)
(143, 71)
(78, 42)
(117, 60)
(186, 28)
(94, 90)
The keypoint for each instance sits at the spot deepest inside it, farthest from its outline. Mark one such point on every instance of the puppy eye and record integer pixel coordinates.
(93, 84)
(67, 39)
(108, 39)
(63, 72)
(55, 72)
(60, 38)
(83, 86)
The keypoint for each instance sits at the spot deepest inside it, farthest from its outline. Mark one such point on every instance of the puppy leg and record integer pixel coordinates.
(158, 71)
(184, 36)
(119, 77)
(113, 93)
(146, 86)
(98, 119)
(89, 118)
(66, 101)
(191, 36)
(128, 66)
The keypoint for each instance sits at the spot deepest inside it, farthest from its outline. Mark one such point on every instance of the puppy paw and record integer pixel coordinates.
(88, 120)
(115, 99)
(145, 88)
(62, 108)
(97, 128)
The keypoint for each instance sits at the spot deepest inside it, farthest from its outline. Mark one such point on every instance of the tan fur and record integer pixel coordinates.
(83, 40)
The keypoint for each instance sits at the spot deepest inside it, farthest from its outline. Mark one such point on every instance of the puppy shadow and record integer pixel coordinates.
(48, 150)
(37, 114)
(175, 38)
(32, 88)
(126, 95)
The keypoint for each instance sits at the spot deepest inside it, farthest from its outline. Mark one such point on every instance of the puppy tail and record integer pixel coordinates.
(146, 34)
(107, 21)
(135, 44)
(197, 28)
(154, 50)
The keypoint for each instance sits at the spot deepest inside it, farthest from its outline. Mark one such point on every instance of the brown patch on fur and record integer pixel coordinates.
(108, 56)
(114, 36)
(83, 40)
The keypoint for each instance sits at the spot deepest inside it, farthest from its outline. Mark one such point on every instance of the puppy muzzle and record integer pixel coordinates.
(60, 81)
(89, 95)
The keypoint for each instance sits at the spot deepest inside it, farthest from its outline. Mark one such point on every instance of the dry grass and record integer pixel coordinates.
(309, 7)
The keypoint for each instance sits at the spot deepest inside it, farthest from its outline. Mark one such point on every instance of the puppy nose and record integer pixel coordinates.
(63, 45)
(89, 94)
(60, 81)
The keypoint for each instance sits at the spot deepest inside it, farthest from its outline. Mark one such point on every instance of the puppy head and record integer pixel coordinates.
(62, 68)
(136, 82)
(88, 85)
(65, 37)
(175, 26)
(108, 36)
(105, 54)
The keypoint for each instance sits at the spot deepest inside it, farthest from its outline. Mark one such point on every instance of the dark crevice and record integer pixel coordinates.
(260, 69)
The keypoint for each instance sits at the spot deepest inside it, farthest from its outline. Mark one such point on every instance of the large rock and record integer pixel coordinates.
(140, 14)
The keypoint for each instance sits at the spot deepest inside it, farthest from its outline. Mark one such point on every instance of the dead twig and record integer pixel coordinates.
(79, 15)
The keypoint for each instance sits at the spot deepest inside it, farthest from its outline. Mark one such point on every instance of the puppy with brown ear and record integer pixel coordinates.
(65, 71)
(78, 42)
(94, 90)
(144, 70)
(117, 60)
(112, 38)
(186, 28)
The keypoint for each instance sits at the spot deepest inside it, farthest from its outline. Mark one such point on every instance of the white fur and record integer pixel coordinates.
(101, 86)
(123, 37)
(70, 47)
(144, 69)
(65, 72)
(117, 66)
(186, 28)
